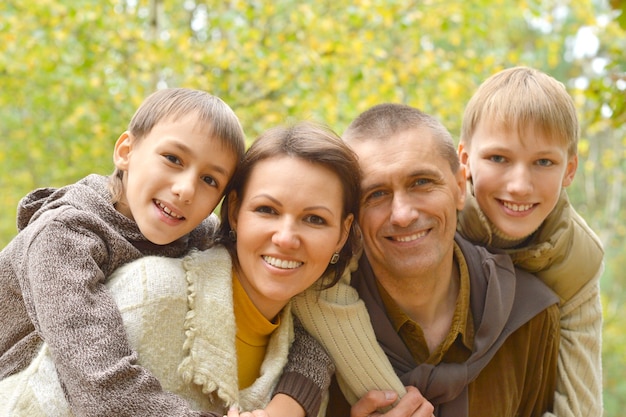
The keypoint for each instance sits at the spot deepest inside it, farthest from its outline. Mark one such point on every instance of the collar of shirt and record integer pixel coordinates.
(457, 346)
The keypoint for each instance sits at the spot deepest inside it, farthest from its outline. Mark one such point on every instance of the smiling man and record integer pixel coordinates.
(475, 335)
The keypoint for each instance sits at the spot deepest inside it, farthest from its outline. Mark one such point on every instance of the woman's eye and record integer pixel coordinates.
(265, 210)
(317, 220)
(210, 180)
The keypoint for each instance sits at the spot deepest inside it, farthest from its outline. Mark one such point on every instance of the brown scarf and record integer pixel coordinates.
(502, 299)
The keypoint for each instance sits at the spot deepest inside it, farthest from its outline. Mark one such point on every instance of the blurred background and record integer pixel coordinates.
(73, 72)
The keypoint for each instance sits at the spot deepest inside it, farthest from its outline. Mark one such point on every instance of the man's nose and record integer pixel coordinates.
(403, 210)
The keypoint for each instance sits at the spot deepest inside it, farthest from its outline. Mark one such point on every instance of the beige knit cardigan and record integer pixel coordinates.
(179, 317)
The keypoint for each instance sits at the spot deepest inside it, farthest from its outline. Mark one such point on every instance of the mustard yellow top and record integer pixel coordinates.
(253, 335)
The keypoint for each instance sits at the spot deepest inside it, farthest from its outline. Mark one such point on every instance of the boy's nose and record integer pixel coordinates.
(520, 181)
(184, 188)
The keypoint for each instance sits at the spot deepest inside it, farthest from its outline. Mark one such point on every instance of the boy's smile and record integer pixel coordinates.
(517, 180)
(173, 178)
(168, 211)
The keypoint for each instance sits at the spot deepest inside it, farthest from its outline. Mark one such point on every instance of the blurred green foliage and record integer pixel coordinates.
(73, 72)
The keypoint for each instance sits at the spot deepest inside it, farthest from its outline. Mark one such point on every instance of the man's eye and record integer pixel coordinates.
(422, 181)
(376, 194)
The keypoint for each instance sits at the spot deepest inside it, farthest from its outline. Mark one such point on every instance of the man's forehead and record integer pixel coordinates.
(398, 159)
(416, 146)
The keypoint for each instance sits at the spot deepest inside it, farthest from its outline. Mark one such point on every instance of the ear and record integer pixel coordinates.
(570, 170)
(464, 158)
(121, 152)
(233, 209)
(345, 231)
(461, 183)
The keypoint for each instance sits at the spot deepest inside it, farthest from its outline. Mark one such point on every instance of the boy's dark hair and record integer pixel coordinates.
(171, 104)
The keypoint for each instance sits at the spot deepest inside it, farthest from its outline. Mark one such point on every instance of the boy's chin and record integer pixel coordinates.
(516, 230)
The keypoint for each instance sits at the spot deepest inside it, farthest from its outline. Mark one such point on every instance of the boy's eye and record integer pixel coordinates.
(497, 159)
(544, 162)
(210, 180)
(173, 159)
(316, 220)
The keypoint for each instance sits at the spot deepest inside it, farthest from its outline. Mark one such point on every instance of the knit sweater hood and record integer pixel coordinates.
(563, 246)
(52, 288)
(211, 357)
(91, 196)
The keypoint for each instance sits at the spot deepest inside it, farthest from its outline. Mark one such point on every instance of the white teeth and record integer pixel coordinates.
(280, 263)
(411, 237)
(167, 210)
(517, 207)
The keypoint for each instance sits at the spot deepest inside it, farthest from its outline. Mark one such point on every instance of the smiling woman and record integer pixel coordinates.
(288, 223)
(215, 326)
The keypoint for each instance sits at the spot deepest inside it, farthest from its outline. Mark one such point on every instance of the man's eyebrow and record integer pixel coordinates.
(425, 172)
(421, 172)
(370, 187)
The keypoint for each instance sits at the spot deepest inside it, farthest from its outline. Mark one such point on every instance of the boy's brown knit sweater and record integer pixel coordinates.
(52, 278)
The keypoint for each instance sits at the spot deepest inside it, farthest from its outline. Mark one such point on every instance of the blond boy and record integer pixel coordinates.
(519, 144)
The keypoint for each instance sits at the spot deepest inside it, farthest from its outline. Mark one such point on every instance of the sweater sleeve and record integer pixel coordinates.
(339, 320)
(308, 372)
(579, 369)
(541, 375)
(74, 313)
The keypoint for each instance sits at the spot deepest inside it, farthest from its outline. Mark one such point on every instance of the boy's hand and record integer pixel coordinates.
(413, 404)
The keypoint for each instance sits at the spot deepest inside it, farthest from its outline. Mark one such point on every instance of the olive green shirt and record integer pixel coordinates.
(520, 379)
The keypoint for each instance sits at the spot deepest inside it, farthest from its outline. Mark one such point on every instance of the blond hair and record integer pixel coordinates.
(520, 98)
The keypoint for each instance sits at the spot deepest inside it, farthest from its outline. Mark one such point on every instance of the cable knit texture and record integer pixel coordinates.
(179, 317)
(52, 288)
(339, 320)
